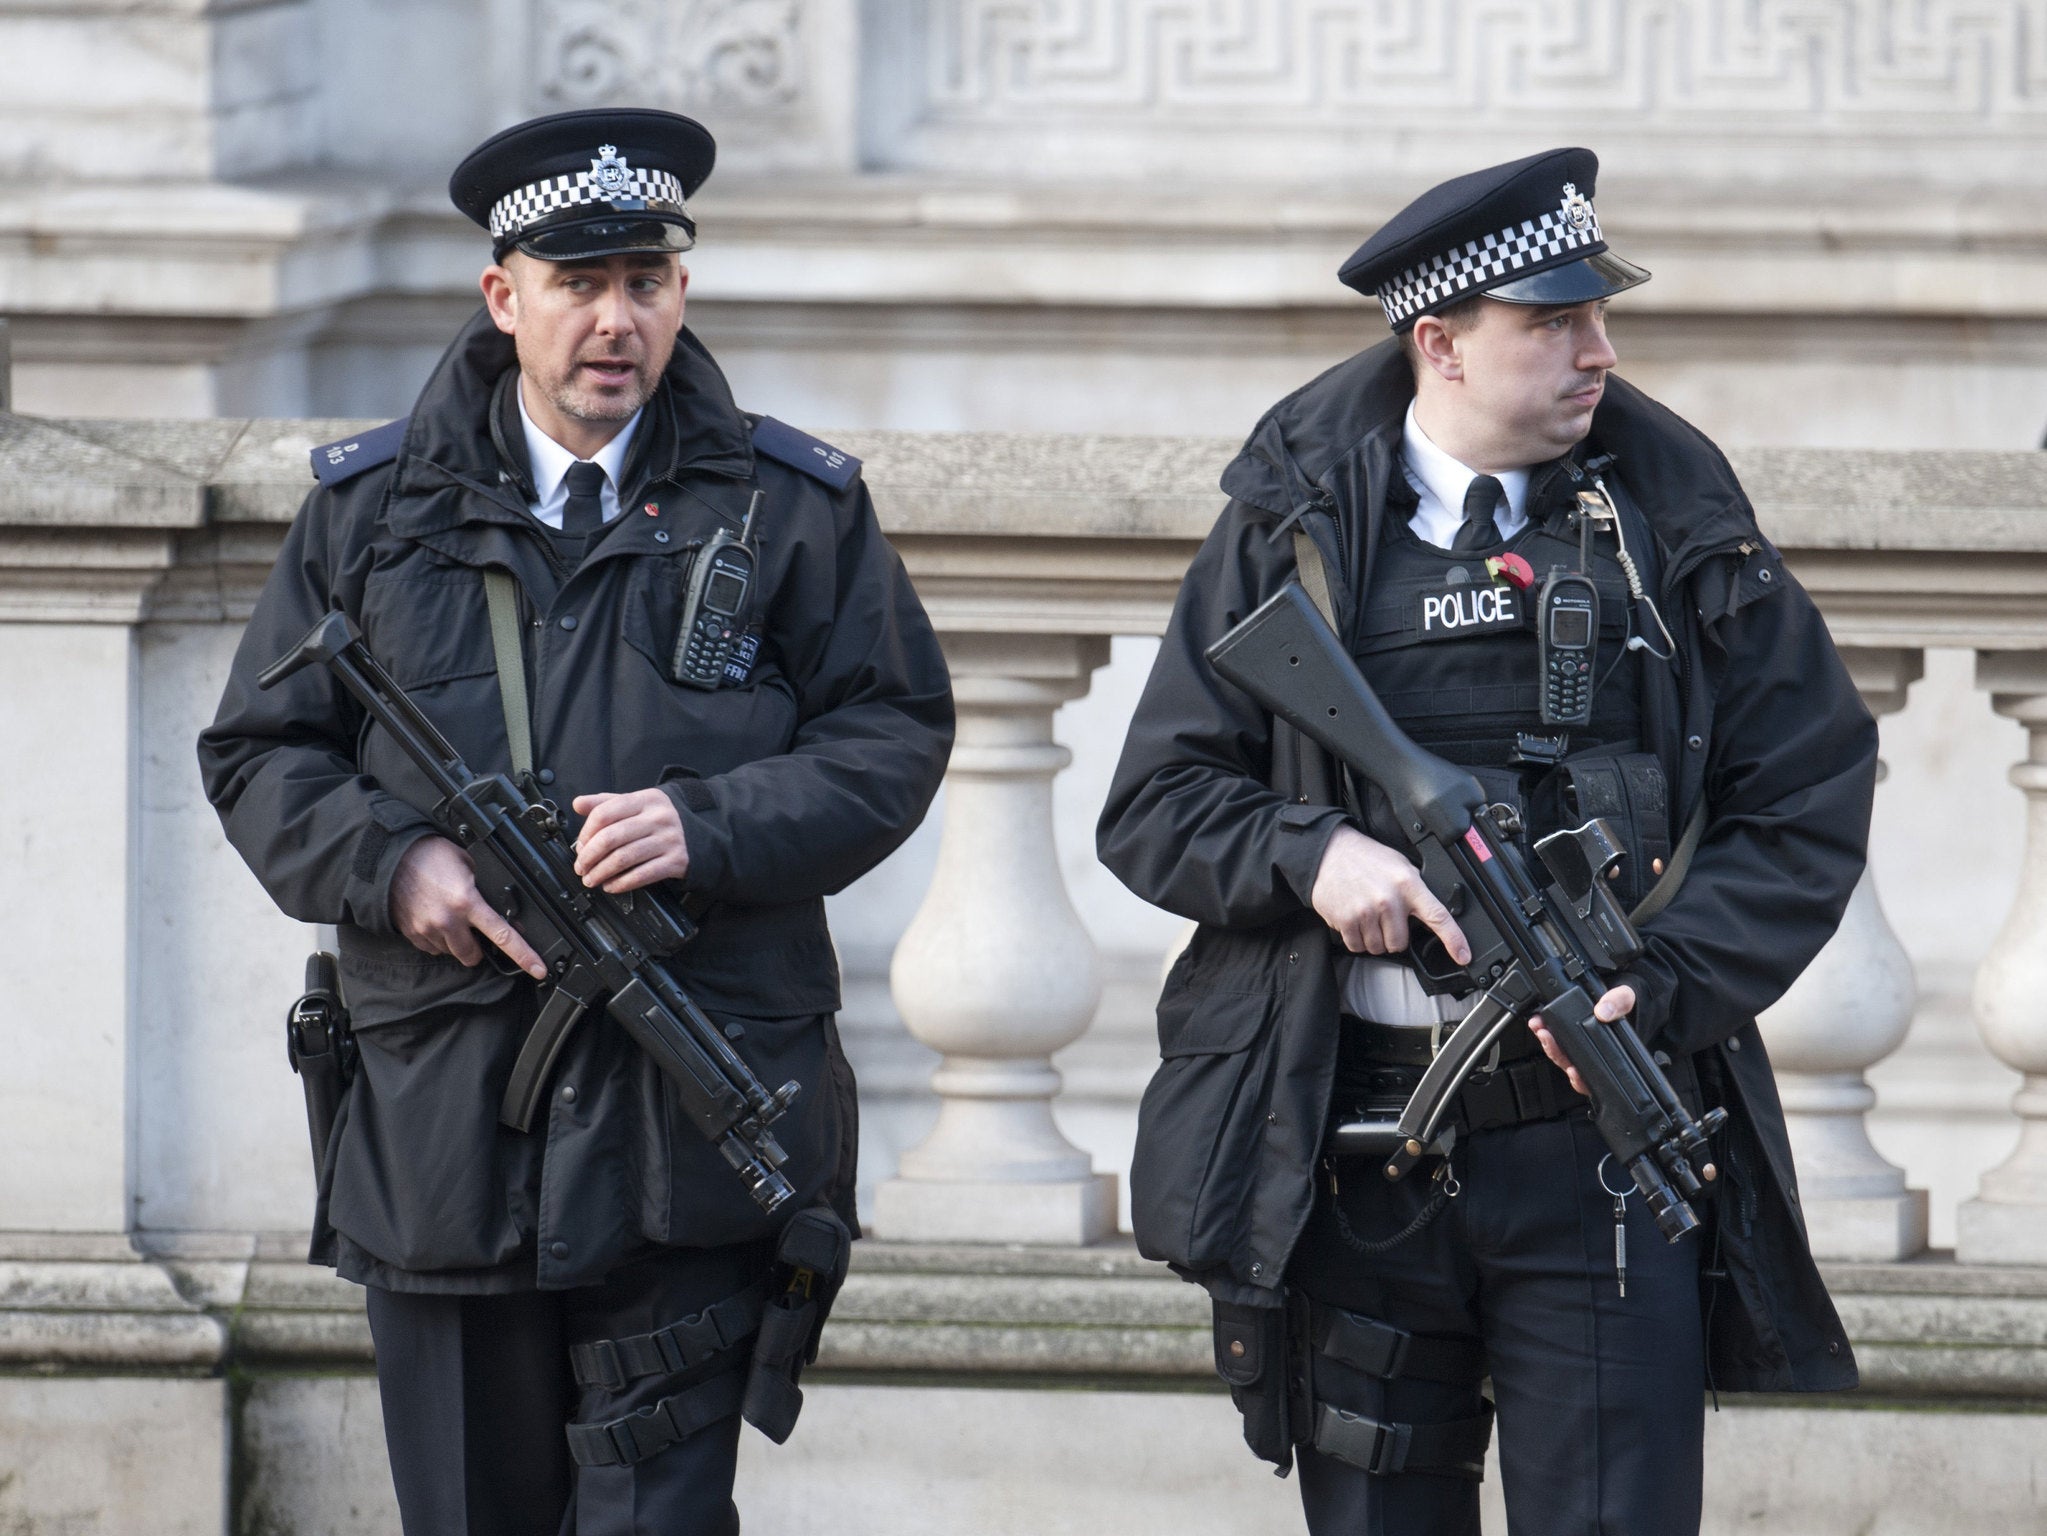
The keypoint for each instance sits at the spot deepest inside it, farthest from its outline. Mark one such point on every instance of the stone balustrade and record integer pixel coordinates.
(146, 1132)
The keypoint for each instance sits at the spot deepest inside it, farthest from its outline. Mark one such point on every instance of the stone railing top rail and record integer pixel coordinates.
(171, 474)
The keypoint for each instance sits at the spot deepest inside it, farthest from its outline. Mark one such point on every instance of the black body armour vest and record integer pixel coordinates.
(1452, 653)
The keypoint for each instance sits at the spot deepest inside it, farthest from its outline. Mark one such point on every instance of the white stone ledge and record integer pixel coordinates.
(1927, 1329)
(112, 521)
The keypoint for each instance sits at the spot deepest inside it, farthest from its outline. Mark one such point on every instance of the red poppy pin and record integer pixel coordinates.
(1512, 569)
(651, 510)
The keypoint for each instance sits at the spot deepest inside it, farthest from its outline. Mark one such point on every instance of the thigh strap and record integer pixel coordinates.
(1380, 1349)
(611, 1363)
(1456, 1449)
(650, 1431)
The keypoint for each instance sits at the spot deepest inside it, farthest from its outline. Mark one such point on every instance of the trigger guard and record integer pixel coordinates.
(1438, 972)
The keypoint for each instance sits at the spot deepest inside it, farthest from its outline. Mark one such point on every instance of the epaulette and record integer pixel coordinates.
(336, 462)
(781, 442)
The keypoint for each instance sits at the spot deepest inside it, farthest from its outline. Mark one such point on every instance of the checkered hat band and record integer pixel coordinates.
(520, 210)
(1478, 263)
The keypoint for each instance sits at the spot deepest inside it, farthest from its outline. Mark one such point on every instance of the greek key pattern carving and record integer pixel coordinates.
(1964, 62)
(738, 55)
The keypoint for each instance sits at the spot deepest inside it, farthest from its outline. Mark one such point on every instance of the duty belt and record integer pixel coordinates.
(1517, 1092)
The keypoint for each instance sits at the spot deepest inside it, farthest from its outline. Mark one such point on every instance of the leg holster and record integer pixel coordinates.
(681, 1347)
(810, 1266)
(1251, 1356)
(1385, 1447)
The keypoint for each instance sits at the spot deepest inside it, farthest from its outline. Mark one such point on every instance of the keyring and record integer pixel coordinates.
(1618, 1194)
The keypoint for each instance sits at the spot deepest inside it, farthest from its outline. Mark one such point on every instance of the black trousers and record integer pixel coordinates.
(477, 1391)
(1600, 1397)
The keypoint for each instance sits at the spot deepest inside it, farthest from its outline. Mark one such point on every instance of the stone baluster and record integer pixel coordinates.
(996, 972)
(2006, 1223)
(1851, 1009)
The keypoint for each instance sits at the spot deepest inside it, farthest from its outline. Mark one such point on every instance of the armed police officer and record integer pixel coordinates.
(520, 553)
(1549, 578)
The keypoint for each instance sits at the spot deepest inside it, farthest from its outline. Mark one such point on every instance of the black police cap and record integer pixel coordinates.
(581, 184)
(1523, 232)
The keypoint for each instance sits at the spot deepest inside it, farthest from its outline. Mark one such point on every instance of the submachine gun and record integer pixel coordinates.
(1536, 946)
(594, 944)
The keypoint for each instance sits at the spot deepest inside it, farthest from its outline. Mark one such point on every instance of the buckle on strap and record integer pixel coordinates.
(1376, 1348)
(1456, 1449)
(1378, 1448)
(611, 1363)
(646, 1433)
(1379, 1349)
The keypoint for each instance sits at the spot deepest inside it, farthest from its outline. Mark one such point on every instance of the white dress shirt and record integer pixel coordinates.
(551, 461)
(1386, 990)
(1441, 482)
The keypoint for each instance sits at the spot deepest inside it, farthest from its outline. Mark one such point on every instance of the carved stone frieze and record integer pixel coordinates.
(1965, 61)
(738, 56)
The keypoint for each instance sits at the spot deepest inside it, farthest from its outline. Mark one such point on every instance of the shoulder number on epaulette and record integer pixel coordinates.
(781, 442)
(343, 460)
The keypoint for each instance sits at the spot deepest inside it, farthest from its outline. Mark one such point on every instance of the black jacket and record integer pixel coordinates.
(789, 786)
(1216, 815)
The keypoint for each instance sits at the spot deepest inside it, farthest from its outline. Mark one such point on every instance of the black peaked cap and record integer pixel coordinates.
(590, 183)
(1524, 232)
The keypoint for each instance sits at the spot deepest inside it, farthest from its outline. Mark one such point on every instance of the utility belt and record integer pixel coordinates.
(1382, 1064)
(1269, 1357)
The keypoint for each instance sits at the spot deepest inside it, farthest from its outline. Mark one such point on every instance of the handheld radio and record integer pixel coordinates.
(715, 591)
(1567, 634)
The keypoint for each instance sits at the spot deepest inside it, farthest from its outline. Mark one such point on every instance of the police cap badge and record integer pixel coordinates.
(1523, 232)
(584, 184)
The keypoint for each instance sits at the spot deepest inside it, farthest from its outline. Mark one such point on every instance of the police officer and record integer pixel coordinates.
(605, 1272)
(1427, 491)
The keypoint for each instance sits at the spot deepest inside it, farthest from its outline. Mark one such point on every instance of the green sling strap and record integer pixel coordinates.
(501, 591)
(1315, 582)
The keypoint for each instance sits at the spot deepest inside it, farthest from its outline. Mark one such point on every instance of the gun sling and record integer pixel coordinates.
(611, 1363)
(501, 592)
(1315, 582)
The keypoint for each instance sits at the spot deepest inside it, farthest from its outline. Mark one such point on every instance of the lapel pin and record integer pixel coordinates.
(1513, 570)
(651, 510)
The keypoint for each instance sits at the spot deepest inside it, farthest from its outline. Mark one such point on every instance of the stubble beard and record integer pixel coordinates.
(589, 404)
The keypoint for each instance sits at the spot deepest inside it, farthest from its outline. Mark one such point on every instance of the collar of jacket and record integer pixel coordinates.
(1333, 446)
(454, 443)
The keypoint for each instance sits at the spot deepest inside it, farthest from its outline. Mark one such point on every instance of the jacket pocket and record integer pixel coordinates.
(428, 623)
(1202, 1116)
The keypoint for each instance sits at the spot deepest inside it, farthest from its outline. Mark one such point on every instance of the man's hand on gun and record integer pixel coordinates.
(630, 841)
(436, 905)
(1367, 891)
(1616, 1003)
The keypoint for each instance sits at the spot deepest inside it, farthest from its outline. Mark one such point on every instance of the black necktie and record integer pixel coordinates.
(584, 512)
(1479, 530)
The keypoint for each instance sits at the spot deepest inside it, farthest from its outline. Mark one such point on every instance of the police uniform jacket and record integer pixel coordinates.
(813, 763)
(1216, 814)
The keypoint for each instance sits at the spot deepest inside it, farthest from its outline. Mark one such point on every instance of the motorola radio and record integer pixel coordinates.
(715, 592)
(1567, 634)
